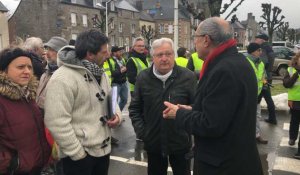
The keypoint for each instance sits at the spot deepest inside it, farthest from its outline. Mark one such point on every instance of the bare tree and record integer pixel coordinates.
(282, 31)
(215, 7)
(271, 18)
(291, 33)
(148, 32)
(100, 23)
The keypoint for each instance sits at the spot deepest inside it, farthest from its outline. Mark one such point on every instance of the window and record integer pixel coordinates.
(170, 29)
(121, 27)
(112, 6)
(132, 15)
(112, 24)
(73, 1)
(84, 21)
(132, 28)
(74, 36)
(121, 42)
(161, 28)
(73, 19)
(112, 40)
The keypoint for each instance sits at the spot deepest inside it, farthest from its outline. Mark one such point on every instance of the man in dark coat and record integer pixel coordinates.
(223, 117)
(163, 81)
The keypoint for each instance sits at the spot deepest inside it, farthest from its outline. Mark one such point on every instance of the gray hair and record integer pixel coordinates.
(137, 39)
(32, 43)
(215, 30)
(159, 42)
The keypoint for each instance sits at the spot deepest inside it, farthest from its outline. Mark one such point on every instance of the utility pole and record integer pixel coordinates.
(175, 25)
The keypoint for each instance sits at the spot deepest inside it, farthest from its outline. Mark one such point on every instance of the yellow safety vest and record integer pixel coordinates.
(107, 68)
(181, 61)
(139, 64)
(197, 62)
(294, 92)
(259, 72)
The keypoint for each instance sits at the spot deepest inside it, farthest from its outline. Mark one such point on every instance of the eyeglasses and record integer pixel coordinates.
(160, 55)
(194, 36)
(140, 46)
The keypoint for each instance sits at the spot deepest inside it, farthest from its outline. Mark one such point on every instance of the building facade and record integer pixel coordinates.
(4, 36)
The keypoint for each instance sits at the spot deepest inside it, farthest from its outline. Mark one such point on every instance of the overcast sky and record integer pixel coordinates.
(290, 9)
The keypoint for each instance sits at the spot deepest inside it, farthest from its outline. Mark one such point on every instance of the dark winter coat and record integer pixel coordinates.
(131, 68)
(161, 135)
(23, 144)
(223, 118)
(117, 76)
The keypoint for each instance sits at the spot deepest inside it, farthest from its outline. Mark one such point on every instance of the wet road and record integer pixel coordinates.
(128, 157)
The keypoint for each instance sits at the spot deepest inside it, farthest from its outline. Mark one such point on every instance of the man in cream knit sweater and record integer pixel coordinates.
(76, 111)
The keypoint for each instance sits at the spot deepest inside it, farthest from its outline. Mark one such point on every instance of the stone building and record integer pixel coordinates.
(4, 37)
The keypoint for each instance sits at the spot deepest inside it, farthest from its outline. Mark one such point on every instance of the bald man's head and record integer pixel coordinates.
(217, 28)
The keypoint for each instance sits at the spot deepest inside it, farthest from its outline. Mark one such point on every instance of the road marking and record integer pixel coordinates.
(286, 126)
(285, 142)
(287, 164)
(134, 162)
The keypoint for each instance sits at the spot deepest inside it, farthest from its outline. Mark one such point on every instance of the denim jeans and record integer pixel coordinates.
(122, 94)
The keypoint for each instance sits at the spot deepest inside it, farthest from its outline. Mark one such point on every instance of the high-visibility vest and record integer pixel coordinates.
(181, 61)
(140, 65)
(197, 62)
(107, 68)
(259, 72)
(294, 92)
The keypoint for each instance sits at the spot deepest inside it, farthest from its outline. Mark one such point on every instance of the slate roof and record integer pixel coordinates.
(123, 4)
(3, 8)
(146, 17)
(165, 11)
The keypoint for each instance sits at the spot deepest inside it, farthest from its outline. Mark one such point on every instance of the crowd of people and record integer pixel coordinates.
(55, 103)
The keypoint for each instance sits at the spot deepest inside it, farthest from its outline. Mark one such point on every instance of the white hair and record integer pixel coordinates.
(32, 43)
(159, 42)
(136, 40)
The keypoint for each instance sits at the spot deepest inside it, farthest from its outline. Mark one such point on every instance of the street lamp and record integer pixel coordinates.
(106, 15)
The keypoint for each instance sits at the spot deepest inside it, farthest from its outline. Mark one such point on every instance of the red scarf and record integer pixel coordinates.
(216, 52)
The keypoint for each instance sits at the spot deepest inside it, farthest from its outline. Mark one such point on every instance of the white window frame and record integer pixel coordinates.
(133, 28)
(113, 40)
(84, 20)
(112, 6)
(170, 28)
(121, 41)
(74, 36)
(112, 24)
(121, 27)
(161, 28)
(73, 19)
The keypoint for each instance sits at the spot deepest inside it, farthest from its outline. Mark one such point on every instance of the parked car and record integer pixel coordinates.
(284, 50)
(283, 43)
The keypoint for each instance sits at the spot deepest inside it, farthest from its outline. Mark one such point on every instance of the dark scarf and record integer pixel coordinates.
(217, 51)
(142, 56)
(94, 69)
(52, 67)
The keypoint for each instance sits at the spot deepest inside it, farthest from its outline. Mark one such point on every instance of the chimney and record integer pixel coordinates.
(139, 5)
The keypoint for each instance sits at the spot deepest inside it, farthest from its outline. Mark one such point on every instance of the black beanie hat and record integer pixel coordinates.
(253, 47)
(8, 55)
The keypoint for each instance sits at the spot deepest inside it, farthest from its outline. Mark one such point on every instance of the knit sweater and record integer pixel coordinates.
(73, 110)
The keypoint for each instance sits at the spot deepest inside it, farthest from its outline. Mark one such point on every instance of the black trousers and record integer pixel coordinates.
(294, 125)
(88, 166)
(158, 164)
(266, 93)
